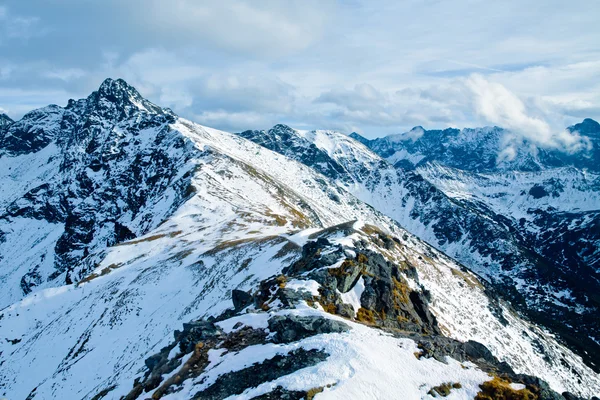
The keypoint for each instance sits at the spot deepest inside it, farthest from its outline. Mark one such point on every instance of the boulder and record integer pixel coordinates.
(291, 328)
(240, 299)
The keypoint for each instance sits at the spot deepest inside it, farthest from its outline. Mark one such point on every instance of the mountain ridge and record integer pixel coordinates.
(211, 216)
(510, 245)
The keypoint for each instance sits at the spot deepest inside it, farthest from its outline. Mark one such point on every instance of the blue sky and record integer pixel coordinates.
(375, 67)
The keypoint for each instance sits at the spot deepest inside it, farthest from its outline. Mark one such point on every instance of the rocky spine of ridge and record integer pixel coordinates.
(387, 304)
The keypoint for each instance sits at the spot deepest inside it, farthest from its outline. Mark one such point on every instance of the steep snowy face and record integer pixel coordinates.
(78, 179)
(533, 235)
(480, 149)
(555, 213)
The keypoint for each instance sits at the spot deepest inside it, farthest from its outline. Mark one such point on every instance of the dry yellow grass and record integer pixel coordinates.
(499, 388)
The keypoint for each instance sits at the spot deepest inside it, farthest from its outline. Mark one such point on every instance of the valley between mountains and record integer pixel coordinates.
(143, 255)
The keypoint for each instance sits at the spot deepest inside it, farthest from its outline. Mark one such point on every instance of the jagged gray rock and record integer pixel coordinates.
(292, 328)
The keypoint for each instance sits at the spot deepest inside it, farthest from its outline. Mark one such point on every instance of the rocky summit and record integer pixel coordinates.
(143, 255)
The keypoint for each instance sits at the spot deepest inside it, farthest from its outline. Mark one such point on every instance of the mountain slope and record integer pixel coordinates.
(549, 199)
(337, 352)
(5, 121)
(253, 220)
(528, 248)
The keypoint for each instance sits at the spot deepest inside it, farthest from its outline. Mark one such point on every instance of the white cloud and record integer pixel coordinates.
(361, 98)
(373, 68)
(65, 74)
(501, 107)
(15, 26)
(269, 28)
(234, 121)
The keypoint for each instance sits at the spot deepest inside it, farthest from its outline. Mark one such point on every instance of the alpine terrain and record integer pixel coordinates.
(530, 227)
(143, 255)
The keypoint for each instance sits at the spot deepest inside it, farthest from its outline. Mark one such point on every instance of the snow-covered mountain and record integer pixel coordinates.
(81, 178)
(144, 255)
(481, 149)
(532, 234)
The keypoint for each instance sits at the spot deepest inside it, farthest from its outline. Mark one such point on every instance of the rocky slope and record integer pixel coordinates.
(321, 306)
(532, 234)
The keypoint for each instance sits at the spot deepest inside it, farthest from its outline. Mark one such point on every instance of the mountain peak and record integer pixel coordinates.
(282, 128)
(587, 127)
(5, 120)
(117, 88)
(359, 138)
(117, 95)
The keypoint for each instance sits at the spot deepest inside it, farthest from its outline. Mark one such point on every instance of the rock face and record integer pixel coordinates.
(292, 328)
(240, 299)
(386, 298)
(528, 227)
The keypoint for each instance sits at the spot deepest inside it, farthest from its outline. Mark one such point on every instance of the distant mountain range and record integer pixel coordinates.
(477, 150)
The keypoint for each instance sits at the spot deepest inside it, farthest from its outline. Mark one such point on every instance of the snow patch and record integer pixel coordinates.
(352, 297)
